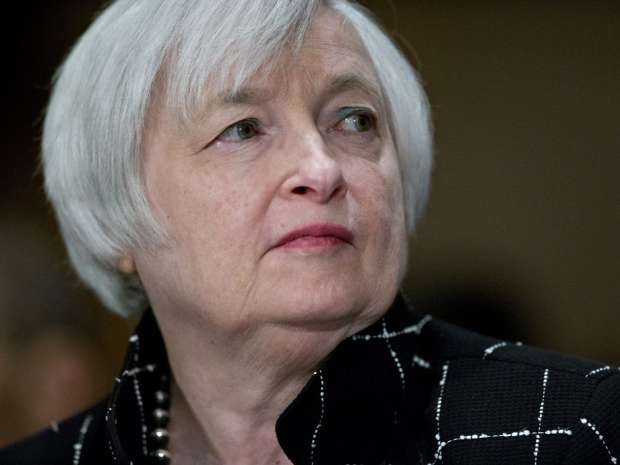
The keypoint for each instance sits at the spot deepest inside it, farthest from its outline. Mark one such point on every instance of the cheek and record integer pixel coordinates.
(189, 202)
(211, 237)
(381, 212)
(382, 198)
(214, 223)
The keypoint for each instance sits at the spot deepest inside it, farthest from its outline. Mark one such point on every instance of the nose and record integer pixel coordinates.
(317, 174)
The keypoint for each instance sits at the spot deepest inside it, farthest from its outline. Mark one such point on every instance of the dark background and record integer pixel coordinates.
(520, 240)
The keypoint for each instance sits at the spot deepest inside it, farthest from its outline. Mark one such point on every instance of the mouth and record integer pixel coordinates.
(316, 236)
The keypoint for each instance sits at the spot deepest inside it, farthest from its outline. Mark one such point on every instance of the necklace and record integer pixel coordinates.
(159, 437)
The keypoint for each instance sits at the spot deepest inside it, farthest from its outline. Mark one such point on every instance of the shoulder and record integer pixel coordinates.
(74, 440)
(489, 392)
(452, 343)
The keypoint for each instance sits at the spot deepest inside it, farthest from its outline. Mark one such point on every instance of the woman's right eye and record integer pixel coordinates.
(240, 131)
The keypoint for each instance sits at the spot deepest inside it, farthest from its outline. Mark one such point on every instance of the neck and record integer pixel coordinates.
(231, 389)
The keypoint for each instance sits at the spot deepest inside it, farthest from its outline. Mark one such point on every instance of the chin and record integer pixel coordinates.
(328, 307)
(323, 307)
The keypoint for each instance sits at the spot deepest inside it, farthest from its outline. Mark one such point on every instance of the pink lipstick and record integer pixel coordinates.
(316, 236)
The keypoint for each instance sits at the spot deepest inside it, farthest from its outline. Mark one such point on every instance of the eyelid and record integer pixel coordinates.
(253, 121)
(344, 112)
(220, 137)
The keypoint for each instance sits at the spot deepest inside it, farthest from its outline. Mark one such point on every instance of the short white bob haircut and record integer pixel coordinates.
(94, 127)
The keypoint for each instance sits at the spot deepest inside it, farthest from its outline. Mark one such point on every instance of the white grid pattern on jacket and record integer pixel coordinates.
(524, 433)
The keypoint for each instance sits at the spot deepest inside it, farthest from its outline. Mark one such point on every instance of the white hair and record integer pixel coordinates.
(94, 127)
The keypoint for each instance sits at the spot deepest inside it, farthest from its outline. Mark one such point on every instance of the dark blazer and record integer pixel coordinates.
(407, 390)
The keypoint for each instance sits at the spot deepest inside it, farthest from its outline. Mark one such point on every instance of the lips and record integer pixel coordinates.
(318, 230)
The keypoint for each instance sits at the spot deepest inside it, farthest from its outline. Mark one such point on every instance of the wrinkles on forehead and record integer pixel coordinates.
(337, 83)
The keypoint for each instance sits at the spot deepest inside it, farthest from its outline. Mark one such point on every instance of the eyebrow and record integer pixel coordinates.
(352, 81)
(244, 96)
(338, 84)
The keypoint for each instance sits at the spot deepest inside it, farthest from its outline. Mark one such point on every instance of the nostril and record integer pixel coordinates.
(300, 190)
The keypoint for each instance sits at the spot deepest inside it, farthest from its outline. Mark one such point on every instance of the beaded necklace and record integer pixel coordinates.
(161, 416)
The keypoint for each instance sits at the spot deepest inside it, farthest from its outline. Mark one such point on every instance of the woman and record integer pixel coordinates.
(244, 176)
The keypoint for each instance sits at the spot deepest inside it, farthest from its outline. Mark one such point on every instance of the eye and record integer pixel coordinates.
(240, 131)
(356, 120)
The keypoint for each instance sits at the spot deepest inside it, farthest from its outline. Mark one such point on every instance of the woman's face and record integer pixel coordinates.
(307, 145)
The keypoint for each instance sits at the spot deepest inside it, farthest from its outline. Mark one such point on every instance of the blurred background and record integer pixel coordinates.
(520, 240)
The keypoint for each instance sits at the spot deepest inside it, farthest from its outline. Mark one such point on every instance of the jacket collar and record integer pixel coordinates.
(349, 412)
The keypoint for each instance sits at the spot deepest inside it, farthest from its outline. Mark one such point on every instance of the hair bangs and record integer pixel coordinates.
(216, 54)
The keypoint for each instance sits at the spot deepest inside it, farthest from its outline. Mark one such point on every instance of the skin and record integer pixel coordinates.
(246, 324)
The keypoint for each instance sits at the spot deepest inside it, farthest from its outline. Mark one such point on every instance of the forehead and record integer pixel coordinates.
(331, 39)
(331, 55)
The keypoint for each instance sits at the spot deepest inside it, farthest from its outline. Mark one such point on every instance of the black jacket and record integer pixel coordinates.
(407, 390)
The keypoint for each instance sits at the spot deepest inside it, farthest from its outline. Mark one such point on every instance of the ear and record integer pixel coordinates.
(126, 264)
